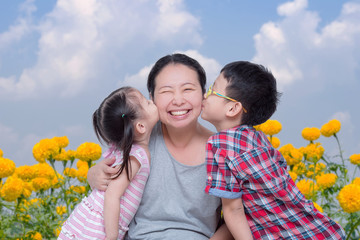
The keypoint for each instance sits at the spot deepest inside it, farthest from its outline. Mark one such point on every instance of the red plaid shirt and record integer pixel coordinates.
(241, 163)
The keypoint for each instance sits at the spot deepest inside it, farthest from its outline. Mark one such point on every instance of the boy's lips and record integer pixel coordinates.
(179, 112)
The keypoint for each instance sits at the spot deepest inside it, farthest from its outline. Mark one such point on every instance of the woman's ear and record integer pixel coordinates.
(233, 109)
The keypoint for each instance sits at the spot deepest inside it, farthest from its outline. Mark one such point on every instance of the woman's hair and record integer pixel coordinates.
(176, 58)
(113, 122)
(254, 87)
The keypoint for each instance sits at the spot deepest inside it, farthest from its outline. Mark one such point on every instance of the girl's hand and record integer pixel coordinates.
(101, 174)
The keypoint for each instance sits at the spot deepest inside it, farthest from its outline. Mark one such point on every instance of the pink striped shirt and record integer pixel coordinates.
(87, 221)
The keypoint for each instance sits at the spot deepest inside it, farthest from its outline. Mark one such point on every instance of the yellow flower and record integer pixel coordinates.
(41, 183)
(25, 172)
(318, 207)
(285, 149)
(271, 127)
(307, 187)
(310, 134)
(88, 151)
(7, 167)
(80, 164)
(293, 175)
(12, 189)
(61, 210)
(356, 181)
(45, 149)
(349, 198)
(28, 188)
(62, 142)
(82, 174)
(1, 153)
(44, 170)
(275, 142)
(33, 235)
(355, 159)
(326, 180)
(57, 181)
(313, 152)
(330, 128)
(299, 168)
(78, 189)
(70, 172)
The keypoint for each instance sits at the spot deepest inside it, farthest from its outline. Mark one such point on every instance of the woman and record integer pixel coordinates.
(174, 204)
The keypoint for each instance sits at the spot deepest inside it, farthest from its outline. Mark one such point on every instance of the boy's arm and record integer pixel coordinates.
(113, 194)
(222, 233)
(235, 218)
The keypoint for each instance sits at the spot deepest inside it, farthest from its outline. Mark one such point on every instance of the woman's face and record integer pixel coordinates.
(178, 95)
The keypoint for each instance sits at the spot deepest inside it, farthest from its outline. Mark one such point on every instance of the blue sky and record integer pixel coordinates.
(59, 59)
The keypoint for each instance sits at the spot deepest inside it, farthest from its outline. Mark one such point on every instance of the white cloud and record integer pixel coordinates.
(79, 39)
(297, 49)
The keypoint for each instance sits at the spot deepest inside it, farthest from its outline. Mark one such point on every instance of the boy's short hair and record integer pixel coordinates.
(255, 87)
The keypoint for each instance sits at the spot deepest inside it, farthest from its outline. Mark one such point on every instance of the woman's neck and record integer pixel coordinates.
(180, 138)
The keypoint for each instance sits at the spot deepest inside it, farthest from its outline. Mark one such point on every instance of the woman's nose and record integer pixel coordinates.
(178, 98)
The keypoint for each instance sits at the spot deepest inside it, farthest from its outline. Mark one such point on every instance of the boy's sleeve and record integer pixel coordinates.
(221, 180)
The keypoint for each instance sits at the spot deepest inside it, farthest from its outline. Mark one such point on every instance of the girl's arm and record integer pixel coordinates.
(235, 218)
(113, 194)
(100, 174)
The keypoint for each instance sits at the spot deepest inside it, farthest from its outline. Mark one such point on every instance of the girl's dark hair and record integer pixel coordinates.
(113, 123)
(254, 87)
(176, 58)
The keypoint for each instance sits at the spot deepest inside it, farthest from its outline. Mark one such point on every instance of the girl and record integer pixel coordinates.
(124, 121)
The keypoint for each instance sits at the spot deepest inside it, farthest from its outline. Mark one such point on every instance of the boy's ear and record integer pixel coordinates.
(140, 127)
(233, 109)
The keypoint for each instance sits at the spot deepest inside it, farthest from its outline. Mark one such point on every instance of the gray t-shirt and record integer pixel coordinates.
(174, 203)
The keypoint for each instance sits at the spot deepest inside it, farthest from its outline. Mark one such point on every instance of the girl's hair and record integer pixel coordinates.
(113, 122)
(176, 58)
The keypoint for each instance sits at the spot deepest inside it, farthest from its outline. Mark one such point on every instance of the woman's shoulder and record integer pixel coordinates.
(205, 133)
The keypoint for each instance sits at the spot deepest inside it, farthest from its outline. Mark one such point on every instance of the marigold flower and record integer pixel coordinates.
(70, 172)
(285, 149)
(271, 127)
(44, 170)
(326, 180)
(12, 189)
(293, 175)
(318, 207)
(7, 167)
(78, 189)
(307, 187)
(355, 159)
(34, 235)
(25, 172)
(81, 163)
(28, 189)
(88, 151)
(310, 134)
(1, 153)
(275, 142)
(62, 142)
(82, 174)
(349, 198)
(330, 128)
(57, 181)
(356, 181)
(313, 152)
(41, 183)
(61, 210)
(299, 168)
(45, 149)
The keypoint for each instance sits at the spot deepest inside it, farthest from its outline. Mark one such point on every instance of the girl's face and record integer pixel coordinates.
(150, 112)
(178, 95)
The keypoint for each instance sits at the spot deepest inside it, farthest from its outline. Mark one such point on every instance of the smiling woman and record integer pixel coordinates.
(173, 202)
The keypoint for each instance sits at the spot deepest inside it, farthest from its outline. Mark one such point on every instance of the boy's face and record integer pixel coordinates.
(214, 105)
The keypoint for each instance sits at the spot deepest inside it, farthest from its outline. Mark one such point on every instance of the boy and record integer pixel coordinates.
(246, 171)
